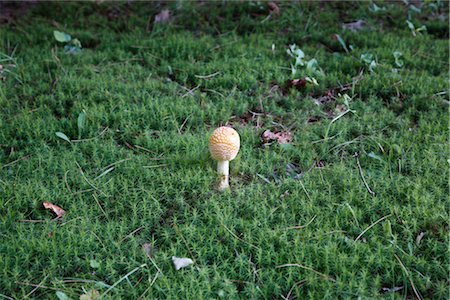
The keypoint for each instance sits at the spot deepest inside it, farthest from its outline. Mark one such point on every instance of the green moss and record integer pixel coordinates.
(153, 92)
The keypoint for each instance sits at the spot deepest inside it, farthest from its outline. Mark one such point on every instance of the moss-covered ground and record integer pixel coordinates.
(130, 164)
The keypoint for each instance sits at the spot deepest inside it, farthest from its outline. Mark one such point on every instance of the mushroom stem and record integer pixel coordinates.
(223, 170)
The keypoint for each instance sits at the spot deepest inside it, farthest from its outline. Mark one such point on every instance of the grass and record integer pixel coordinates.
(137, 170)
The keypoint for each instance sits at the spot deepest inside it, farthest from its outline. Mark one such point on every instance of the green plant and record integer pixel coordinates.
(71, 46)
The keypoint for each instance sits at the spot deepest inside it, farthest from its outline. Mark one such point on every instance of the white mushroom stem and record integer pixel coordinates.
(223, 168)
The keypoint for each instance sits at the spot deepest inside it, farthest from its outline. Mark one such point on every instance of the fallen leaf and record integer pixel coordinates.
(354, 26)
(299, 84)
(181, 262)
(59, 212)
(283, 137)
(163, 16)
(420, 237)
(50, 234)
(91, 295)
(273, 8)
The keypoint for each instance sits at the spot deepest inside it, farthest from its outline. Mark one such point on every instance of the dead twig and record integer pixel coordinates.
(207, 76)
(17, 160)
(235, 236)
(36, 287)
(373, 224)
(362, 176)
(307, 268)
(182, 125)
(184, 240)
(301, 226)
(131, 233)
(409, 277)
(300, 283)
(101, 208)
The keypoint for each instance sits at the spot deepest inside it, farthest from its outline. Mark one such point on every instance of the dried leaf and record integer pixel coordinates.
(59, 212)
(181, 262)
(163, 16)
(283, 137)
(273, 8)
(299, 84)
(354, 26)
(91, 295)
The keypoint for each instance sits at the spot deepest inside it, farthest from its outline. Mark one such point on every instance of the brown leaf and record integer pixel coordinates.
(59, 212)
(91, 295)
(354, 26)
(273, 8)
(163, 16)
(299, 84)
(283, 137)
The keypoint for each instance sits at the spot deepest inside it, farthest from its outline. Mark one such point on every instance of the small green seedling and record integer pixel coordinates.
(72, 46)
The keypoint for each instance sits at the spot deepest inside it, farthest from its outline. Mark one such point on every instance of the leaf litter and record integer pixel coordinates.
(58, 211)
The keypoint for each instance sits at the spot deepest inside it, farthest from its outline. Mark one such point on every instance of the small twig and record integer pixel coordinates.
(190, 91)
(409, 277)
(65, 180)
(131, 233)
(263, 178)
(182, 237)
(6, 297)
(15, 161)
(32, 221)
(121, 279)
(362, 176)
(92, 138)
(99, 239)
(307, 268)
(155, 166)
(85, 178)
(301, 282)
(37, 287)
(304, 189)
(101, 208)
(235, 236)
(182, 125)
(301, 226)
(373, 224)
(207, 76)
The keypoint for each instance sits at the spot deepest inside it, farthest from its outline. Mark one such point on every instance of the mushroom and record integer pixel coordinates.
(224, 145)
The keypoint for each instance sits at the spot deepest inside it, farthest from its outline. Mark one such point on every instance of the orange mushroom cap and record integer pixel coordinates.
(224, 144)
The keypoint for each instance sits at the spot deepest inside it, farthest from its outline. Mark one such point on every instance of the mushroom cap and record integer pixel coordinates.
(224, 144)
